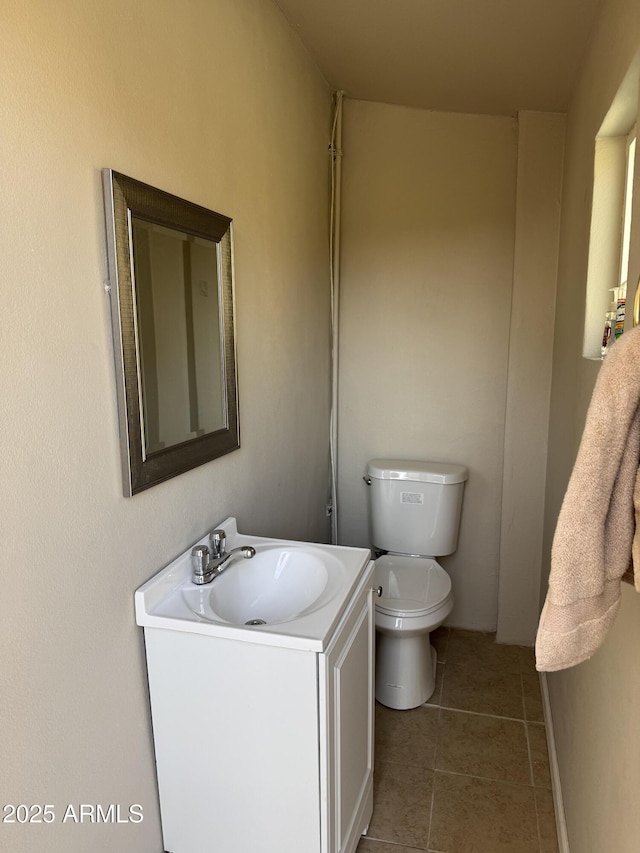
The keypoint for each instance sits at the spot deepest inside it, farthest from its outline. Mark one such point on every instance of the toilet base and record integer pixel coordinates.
(405, 670)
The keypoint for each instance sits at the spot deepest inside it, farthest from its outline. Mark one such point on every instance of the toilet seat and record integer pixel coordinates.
(411, 586)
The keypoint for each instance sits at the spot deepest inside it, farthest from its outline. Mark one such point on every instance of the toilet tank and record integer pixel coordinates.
(415, 506)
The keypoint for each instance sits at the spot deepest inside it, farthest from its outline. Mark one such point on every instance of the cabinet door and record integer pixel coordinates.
(348, 681)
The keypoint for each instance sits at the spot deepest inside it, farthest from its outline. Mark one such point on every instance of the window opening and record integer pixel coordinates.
(614, 317)
(610, 251)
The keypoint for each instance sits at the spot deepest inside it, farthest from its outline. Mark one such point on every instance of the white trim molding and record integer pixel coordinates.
(556, 785)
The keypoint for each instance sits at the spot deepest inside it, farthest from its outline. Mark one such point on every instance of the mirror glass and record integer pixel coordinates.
(177, 305)
(172, 316)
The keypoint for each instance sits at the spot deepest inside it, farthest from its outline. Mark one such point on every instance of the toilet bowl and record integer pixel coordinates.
(415, 512)
(416, 599)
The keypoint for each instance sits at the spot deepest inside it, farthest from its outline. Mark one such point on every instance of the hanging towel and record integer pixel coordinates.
(595, 535)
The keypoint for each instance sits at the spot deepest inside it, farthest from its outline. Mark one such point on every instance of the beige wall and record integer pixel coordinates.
(218, 103)
(595, 721)
(427, 261)
(595, 706)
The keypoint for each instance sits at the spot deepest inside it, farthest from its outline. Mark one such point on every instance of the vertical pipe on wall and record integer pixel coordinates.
(334, 250)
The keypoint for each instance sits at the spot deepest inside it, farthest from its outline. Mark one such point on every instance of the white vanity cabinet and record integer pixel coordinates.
(261, 746)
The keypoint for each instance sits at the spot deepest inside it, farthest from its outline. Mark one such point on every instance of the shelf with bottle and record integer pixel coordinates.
(614, 318)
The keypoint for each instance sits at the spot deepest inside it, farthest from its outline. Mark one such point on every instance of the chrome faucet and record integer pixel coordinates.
(209, 563)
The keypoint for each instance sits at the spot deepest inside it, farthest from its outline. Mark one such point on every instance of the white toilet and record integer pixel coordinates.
(415, 516)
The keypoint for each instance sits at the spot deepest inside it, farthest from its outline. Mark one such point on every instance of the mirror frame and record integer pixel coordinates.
(124, 198)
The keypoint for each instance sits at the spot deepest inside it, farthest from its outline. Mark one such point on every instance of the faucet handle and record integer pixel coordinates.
(199, 559)
(217, 539)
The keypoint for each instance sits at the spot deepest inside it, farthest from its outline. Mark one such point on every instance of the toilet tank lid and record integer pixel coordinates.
(444, 473)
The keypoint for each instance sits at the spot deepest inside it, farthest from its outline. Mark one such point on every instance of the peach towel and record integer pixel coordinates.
(595, 536)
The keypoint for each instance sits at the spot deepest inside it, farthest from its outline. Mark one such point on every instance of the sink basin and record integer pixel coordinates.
(276, 585)
(290, 594)
(281, 582)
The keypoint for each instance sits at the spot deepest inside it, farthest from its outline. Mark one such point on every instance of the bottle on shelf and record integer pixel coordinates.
(621, 300)
(609, 327)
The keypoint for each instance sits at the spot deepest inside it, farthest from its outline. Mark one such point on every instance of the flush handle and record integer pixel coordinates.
(367, 480)
(377, 590)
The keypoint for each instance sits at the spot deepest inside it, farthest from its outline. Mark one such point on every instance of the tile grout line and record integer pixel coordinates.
(397, 844)
(402, 847)
(490, 779)
(535, 802)
(468, 775)
(435, 751)
(526, 730)
(433, 778)
(531, 774)
(483, 714)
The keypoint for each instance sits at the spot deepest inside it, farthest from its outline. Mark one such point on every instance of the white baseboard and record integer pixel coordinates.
(556, 786)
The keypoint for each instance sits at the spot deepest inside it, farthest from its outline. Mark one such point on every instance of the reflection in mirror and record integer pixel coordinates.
(172, 316)
(176, 290)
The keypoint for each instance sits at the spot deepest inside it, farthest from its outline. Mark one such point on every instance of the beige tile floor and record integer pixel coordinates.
(469, 771)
